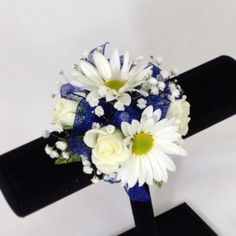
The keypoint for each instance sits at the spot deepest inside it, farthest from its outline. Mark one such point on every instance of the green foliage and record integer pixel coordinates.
(73, 158)
(158, 184)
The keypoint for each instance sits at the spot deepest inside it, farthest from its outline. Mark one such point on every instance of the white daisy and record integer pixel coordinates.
(151, 140)
(111, 79)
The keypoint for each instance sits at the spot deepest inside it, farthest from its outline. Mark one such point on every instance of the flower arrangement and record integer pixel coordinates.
(122, 119)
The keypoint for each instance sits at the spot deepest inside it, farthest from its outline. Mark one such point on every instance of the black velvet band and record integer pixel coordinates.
(29, 179)
(144, 217)
(210, 89)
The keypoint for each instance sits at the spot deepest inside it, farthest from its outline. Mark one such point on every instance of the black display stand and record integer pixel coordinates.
(179, 221)
(29, 180)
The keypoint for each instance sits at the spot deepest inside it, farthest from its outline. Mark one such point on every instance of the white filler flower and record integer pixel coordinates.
(151, 140)
(61, 145)
(108, 149)
(111, 79)
(141, 103)
(99, 111)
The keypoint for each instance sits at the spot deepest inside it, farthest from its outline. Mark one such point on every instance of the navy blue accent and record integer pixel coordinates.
(138, 193)
(84, 118)
(112, 180)
(130, 113)
(90, 56)
(159, 102)
(68, 91)
(155, 70)
(121, 60)
(78, 146)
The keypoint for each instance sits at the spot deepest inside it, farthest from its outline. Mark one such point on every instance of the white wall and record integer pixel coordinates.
(40, 37)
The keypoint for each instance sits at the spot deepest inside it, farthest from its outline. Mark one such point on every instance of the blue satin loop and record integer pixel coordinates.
(130, 113)
(84, 118)
(69, 91)
(155, 70)
(159, 102)
(138, 193)
(78, 147)
(112, 180)
(90, 55)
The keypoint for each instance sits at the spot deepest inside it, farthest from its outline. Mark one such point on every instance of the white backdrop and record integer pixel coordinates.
(39, 38)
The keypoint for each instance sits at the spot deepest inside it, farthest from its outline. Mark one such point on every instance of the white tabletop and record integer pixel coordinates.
(39, 38)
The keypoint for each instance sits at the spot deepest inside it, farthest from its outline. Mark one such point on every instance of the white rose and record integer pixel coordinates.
(180, 109)
(64, 112)
(108, 148)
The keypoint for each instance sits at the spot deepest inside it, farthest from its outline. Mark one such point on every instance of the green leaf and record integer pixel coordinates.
(60, 160)
(158, 184)
(73, 158)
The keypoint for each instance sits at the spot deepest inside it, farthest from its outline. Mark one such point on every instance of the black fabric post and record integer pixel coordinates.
(208, 91)
(144, 217)
(29, 179)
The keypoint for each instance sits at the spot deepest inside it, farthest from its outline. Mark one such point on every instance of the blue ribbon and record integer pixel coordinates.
(90, 55)
(78, 146)
(68, 91)
(130, 113)
(138, 193)
(155, 70)
(159, 102)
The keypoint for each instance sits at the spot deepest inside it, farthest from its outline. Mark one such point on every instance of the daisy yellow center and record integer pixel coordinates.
(115, 84)
(142, 143)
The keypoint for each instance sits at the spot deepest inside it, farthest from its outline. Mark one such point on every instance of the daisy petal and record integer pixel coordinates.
(89, 71)
(115, 64)
(136, 125)
(157, 115)
(164, 177)
(102, 65)
(142, 92)
(166, 161)
(126, 66)
(81, 80)
(157, 173)
(135, 173)
(136, 70)
(149, 179)
(128, 170)
(143, 172)
(110, 96)
(143, 74)
(171, 148)
(124, 128)
(132, 130)
(148, 125)
(147, 113)
(125, 99)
